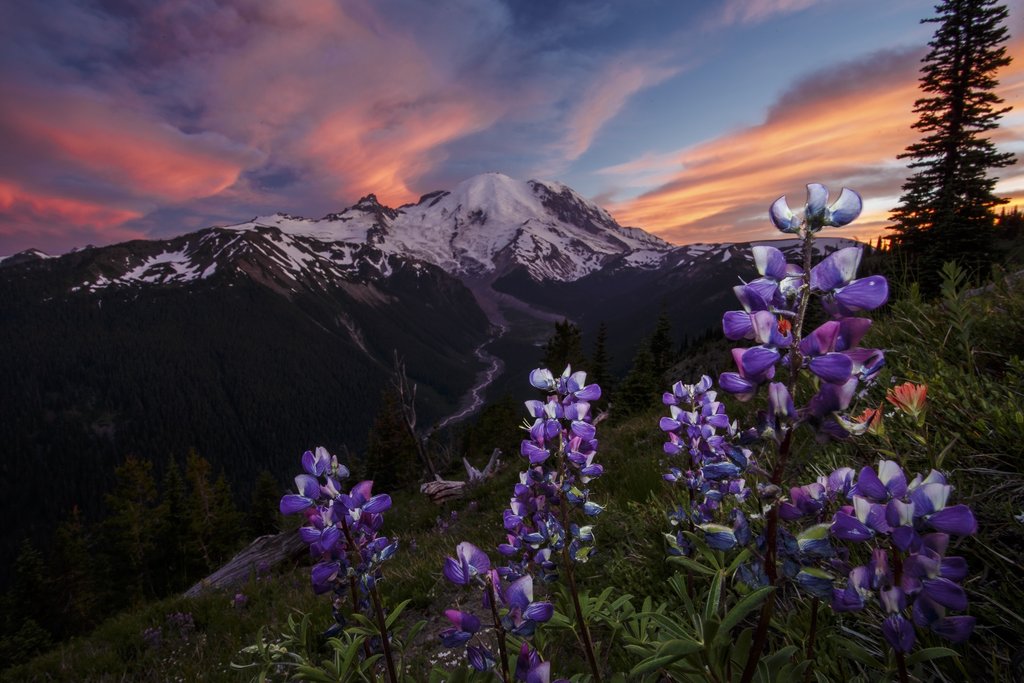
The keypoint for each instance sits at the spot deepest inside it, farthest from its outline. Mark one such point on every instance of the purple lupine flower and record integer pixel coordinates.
(524, 613)
(342, 529)
(816, 582)
(561, 454)
(842, 211)
(844, 295)
(898, 632)
(908, 568)
(464, 625)
(469, 562)
(480, 658)
(698, 426)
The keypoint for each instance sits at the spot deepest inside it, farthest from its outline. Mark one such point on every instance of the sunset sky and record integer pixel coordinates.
(122, 120)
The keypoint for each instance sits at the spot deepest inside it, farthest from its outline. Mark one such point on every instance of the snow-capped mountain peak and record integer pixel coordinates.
(484, 226)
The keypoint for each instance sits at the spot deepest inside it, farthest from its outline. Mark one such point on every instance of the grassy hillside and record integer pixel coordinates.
(965, 347)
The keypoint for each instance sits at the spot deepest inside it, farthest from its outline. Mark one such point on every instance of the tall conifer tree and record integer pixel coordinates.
(599, 365)
(946, 211)
(391, 452)
(564, 347)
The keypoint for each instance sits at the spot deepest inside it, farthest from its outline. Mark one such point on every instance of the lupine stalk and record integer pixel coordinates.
(499, 628)
(570, 576)
(342, 533)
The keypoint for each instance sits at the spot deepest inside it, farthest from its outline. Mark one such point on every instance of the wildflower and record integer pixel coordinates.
(816, 214)
(471, 562)
(844, 295)
(910, 398)
(239, 601)
(871, 419)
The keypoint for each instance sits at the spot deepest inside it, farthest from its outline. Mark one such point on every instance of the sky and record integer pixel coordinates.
(124, 120)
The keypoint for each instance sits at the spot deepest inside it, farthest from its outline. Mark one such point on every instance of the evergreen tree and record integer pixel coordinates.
(598, 370)
(213, 517)
(663, 349)
(129, 530)
(26, 608)
(496, 427)
(391, 451)
(564, 347)
(640, 388)
(265, 516)
(172, 532)
(946, 211)
(75, 589)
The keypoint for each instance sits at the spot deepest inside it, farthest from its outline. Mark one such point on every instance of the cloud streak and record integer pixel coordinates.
(835, 127)
(234, 108)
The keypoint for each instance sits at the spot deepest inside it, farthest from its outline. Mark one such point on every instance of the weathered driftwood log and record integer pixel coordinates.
(268, 551)
(441, 490)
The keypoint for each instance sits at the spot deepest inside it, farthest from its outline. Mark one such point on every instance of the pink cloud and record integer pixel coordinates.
(606, 97)
(836, 128)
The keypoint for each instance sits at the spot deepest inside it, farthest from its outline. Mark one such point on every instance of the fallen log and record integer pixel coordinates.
(266, 551)
(442, 490)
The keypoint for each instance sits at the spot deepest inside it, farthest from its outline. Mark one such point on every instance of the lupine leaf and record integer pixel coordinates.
(929, 654)
(650, 665)
(742, 609)
(692, 565)
(678, 647)
(395, 613)
(737, 561)
(714, 598)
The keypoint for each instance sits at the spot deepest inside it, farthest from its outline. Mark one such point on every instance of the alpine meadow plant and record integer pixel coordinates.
(512, 610)
(847, 537)
(543, 535)
(342, 531)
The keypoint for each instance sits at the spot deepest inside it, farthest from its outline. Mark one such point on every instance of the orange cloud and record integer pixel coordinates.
(30, 218)
(846, 135)
(121, 145)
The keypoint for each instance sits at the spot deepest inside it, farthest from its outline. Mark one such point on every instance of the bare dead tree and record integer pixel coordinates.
(406, 392)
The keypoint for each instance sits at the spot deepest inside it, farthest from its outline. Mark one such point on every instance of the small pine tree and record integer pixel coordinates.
(638, 390)
(75, 589)
(129, 529)
(265, 516)
(564, 347)
(946, 211)
(663, 348)
(391, 451)
(213, 517)
(25, 608)
(172, 532)
(599, 366)
(496, 427)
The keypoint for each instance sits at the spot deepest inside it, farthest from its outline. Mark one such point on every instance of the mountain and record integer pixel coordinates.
(486, 226)
(248, 346)
(252, 342)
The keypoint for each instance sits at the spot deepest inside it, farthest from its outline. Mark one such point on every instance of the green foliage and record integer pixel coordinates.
(391, 451)
(662, 344)
(173, 551)
(264, 515)
(946, 209)
(564, 347)
(130, 527)
(497, 426)
(641, 386)
(74, 576)
(213, 519)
